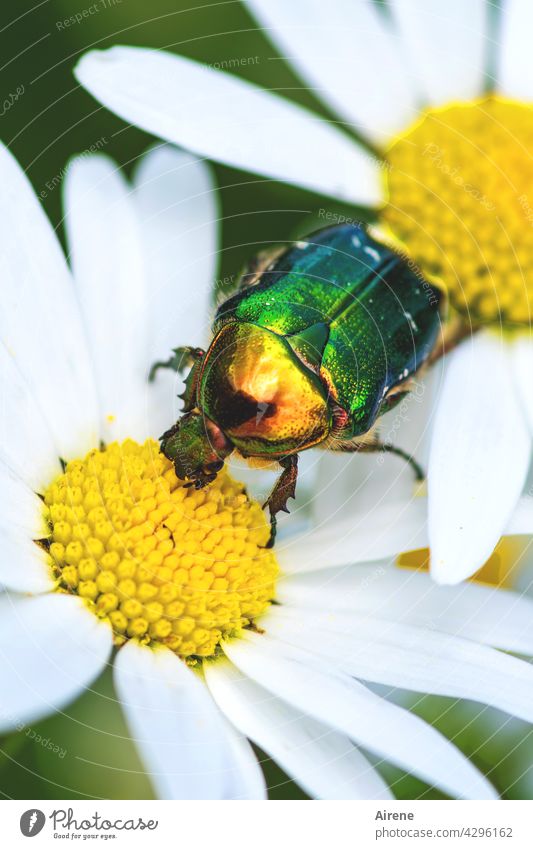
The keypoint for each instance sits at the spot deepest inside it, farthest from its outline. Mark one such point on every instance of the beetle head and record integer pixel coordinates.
(260, 393)
(197, 447)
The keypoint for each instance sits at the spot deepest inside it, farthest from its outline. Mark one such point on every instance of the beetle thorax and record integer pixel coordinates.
(265, 400)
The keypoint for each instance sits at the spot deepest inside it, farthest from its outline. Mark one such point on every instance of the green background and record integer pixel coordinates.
(54, 119)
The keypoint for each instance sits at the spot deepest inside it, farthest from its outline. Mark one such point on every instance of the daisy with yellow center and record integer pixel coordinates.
(160, 561)
(452, 182)
(215, 641)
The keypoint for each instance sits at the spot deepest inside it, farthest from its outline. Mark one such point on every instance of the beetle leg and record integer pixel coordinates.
(188, 396)
(393, 449)
(181, 359)
(387, 447)
(284, 488)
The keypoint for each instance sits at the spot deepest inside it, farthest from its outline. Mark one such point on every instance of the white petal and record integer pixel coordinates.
(250, 781)
(323, 762)
(347, 483)
(498, 618)
(515, 77)
(523, 369)
(522, 519)
(348, 54)
(446, 42)
(40, 323)
(176, 200)
(336, 699)
(187, 747)
(20, 508)
(479, 459)
(409, 657)
(381, 531)
(24, 566)
(52, 648)
(227, 119)
(26, 444)
(106, 261)
(177, 203)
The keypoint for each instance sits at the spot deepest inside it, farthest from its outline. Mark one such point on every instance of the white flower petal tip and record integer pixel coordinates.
(188, 748)
(52, 648)
(221, 117)
(316, 688)
(479, 459)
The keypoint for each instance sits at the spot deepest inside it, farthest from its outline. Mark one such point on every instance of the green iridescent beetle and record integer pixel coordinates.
(317, 343)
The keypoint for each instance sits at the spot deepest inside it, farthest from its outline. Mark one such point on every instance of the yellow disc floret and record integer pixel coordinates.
(460, 198)
(162, 562)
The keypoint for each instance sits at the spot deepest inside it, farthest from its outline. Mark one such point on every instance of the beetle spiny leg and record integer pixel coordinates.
(179, 361)
(284, 488)
(416, 467)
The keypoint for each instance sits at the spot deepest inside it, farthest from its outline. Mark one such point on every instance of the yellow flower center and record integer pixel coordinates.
(162, 562)
(460, 199)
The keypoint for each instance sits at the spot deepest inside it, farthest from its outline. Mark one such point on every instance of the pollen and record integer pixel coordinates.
(162, 562)
(457, 187)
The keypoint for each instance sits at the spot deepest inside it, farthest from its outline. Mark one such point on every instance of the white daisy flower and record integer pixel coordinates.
(450, 181)
(107, 557)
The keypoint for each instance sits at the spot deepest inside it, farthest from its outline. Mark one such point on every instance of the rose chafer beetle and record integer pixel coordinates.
(317, 343)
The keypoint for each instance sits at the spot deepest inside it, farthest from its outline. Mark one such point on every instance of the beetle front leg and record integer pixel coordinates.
(182, 358)
(284, 488)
